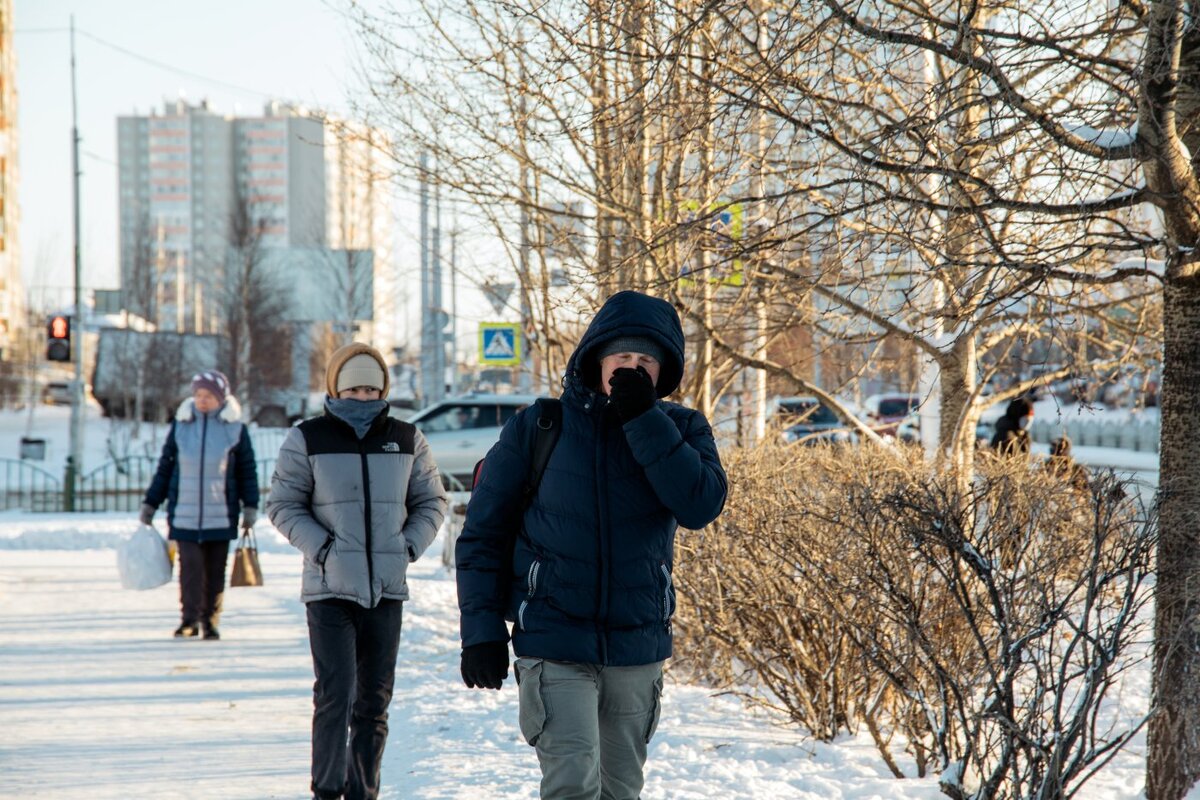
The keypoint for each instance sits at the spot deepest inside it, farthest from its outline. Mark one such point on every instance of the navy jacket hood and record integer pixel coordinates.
(631, 314)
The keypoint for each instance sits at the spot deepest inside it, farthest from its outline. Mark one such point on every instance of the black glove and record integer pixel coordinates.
(632, 392)
(485, 665)
(146, 515)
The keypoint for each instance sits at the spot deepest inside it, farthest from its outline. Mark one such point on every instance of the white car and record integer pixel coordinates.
(461, 430)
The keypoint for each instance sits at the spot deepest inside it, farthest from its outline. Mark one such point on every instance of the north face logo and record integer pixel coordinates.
(391, 447)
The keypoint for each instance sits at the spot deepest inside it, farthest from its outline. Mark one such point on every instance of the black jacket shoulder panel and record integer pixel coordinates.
(400, 433)
(323, 435)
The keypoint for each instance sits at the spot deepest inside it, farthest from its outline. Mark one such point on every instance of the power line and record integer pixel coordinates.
(98, 157)
(125, 51)
(169, 67)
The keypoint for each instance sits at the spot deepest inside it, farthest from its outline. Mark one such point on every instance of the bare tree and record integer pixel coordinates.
(141, 282)
(256, 298)
(976, 180)
(992, 632)
(538, 152)
(1072, 125)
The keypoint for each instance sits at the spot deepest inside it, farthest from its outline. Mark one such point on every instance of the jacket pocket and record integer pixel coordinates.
(322, 555)
(655, 710)
(668, 595)
(532, 713)
(531, 584)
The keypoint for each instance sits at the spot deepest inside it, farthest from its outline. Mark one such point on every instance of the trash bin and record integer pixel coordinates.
(33, 449)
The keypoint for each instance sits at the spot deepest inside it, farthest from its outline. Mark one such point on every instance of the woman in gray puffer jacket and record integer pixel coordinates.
(207, 476)
(358, 493)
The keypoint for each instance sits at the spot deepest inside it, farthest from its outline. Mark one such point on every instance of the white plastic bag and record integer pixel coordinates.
(142, 560)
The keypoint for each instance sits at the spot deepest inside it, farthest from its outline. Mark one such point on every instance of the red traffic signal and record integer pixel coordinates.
(58, 339)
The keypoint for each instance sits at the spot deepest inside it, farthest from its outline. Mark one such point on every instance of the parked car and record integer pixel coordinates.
(57, 393)
(809, 421)
(461, 430)
(885, 412)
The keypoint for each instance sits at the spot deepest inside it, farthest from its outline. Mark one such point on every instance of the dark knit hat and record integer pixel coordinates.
(213, 381)
(631, 344)
(1020, 407)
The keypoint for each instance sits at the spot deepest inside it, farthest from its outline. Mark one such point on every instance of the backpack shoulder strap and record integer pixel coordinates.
(549, 425)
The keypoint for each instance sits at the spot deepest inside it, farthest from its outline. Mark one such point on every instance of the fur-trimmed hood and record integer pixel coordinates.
(231, 411)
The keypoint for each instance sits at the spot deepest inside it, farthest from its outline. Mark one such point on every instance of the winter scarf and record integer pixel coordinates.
(358, 414)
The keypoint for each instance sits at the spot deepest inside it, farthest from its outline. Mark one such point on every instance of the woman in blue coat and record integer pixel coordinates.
(207, 476)
(588, 585)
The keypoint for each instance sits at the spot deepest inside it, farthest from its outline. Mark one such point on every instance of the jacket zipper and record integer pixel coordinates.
(532, 583)
(203, 442)
(599, 424)
(666, 595)
(366, 475)
(322, 556)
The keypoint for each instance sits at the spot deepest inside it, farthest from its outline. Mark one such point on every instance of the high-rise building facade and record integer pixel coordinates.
(280, 163)
(195, 184)
(12, 296)
(359, 214)
(176, 192)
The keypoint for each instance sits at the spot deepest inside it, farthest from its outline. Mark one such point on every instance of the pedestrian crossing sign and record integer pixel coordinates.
(500, 344)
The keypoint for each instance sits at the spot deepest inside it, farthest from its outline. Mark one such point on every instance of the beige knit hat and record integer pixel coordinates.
(356, 364)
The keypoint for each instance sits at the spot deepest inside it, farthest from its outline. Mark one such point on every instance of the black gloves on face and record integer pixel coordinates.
(631, 392)
(485, 665)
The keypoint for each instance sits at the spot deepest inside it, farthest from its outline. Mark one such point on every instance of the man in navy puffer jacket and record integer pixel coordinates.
(589, 591)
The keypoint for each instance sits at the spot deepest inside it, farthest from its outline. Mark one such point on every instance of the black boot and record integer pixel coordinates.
(210, 630)
(187, 630)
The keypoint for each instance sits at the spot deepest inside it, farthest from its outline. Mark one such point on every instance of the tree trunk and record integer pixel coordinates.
(1173, 738)
(959, 369)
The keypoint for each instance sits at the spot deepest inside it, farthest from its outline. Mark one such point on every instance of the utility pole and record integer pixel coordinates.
(75, 463)
(454, 305)
(428, 384)
(525, 368)
(439, 313)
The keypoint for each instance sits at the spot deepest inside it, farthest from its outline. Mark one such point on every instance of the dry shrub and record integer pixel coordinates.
(985, 620)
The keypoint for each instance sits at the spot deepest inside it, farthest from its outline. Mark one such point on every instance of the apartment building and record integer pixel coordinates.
(12, 295)
(195, 184)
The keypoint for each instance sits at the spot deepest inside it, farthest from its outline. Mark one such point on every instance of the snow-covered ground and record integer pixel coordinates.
(98, 701)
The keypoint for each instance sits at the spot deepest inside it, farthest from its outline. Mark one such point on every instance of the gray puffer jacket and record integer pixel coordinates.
(359, 510)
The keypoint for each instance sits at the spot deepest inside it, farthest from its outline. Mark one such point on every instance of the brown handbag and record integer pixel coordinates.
(246, 571)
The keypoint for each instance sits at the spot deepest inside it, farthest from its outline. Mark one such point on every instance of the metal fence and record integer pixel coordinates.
(1138, 435)
(267, 441)
(117, 485)
(120, 485)
(29, 487)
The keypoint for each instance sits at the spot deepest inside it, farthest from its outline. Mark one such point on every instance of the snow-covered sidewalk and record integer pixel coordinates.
(98, 701)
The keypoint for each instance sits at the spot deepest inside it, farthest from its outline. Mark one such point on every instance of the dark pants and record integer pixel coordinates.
(354, 660)
(202, 580)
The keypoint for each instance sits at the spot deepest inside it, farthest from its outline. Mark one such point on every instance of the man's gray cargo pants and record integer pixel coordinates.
(590, 725)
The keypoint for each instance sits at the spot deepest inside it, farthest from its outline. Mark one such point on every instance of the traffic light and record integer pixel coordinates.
(58, 339)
